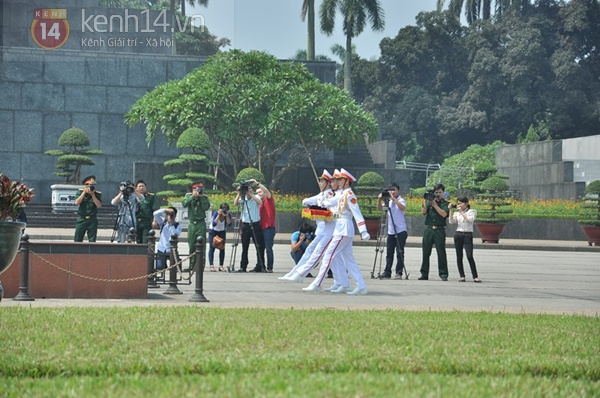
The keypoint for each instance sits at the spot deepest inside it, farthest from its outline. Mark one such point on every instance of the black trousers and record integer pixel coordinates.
(252, 231)
(395, 244)
(464, 240)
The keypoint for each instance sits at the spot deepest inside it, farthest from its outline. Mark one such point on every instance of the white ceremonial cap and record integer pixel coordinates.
(326, 175)
(346, 174)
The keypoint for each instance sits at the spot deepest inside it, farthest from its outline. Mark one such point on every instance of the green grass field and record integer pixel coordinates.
(191, 351)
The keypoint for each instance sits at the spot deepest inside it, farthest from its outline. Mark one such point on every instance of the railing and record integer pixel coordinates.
(42, 216)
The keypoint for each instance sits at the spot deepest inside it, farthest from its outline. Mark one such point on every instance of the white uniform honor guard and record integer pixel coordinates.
(323, 233)
(340, 248)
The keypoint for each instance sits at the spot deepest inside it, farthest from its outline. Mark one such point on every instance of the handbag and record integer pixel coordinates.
(218, 242)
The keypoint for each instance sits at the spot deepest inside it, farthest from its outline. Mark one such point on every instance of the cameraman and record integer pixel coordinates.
(197, 204)
(300, 241)
(127, 199)
(250, 229)
(435, 209)
(165, 221)
(397, 232)
(88, 202)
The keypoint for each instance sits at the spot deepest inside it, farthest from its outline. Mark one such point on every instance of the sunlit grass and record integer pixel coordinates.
(71, 351)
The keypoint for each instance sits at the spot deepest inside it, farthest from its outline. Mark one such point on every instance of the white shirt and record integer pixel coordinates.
(465, 220)
(397, 215)
(164, 243)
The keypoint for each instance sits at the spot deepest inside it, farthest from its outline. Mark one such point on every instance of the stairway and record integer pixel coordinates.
(355, 157)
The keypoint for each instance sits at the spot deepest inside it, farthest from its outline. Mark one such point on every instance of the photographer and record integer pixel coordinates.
(435, 210)
(218, 227)
(250, 228)
(144, 213)
(89, 201)
(464, 217)
(165, 221)
(197, 204)
(300, 241)
(127, 199)
(397, 233)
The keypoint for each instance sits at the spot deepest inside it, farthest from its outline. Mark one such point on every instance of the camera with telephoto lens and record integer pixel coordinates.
(200, 190)
(385, 193)
(127, 188)
(429, 195)
(244, 185)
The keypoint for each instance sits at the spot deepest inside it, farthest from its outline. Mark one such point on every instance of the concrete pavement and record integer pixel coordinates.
(553, 278)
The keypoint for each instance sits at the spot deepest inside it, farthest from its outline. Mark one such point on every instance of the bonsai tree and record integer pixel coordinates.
(369, 185)
(193, 162)
(248, 173)
(76, 155)
(591, 207)
(492, 200)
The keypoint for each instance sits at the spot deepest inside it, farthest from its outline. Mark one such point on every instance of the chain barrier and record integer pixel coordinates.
(93, 278)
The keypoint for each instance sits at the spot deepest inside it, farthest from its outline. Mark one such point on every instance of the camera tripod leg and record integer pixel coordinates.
(234, 245)
(381, 233)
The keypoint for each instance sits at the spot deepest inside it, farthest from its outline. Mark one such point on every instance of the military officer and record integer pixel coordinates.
(144, 212)
(197, 204)
(89, 201)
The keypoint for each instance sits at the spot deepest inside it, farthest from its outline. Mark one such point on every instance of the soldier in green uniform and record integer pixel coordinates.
(144, 212)
(197, 204)
(435, 210)
(89, 201)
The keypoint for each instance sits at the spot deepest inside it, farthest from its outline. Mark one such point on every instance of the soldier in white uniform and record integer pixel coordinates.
(323, 234)
(340, 247)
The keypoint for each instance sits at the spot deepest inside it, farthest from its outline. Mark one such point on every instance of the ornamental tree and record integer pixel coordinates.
(71, 160)
(193, 162)
(257, 112)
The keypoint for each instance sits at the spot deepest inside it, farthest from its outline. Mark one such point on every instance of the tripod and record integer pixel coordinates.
(381, 233)
(237, 234)
(118, 227)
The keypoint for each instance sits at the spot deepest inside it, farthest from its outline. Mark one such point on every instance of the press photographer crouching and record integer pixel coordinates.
(127, 199)
(300, 241)
(164, 220)
(395, 204)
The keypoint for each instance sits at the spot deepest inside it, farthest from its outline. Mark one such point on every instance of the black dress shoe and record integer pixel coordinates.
(241, 270)
(385, 276)
(423, 278)
(309, 275)
(445, 279)
(257, 270)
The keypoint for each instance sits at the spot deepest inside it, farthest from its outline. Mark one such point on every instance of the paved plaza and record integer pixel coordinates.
(538, 278)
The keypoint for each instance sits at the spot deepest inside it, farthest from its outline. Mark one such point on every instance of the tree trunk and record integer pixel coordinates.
(347, 64)
(310, 50)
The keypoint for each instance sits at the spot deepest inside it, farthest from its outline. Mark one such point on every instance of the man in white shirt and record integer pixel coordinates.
(165, 220)
(397, 233)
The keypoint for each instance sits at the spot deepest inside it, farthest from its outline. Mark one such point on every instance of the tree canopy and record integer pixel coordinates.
(257, 111)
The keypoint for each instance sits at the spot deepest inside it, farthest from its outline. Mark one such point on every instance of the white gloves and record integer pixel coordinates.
(365, 235)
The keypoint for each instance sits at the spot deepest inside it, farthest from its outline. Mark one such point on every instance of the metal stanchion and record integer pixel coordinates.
(131, 238)
(173, 289)
(24, 285)
(151, 260)
(200, 254)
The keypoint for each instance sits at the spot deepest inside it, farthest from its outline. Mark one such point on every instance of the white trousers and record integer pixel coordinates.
(340, 259)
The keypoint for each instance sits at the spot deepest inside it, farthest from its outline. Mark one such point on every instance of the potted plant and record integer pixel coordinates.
(492, 211)
(369, 185)
(14, 195)
(590, 222)
(69, 164)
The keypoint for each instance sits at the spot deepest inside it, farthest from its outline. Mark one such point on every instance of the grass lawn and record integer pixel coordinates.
(196, 352)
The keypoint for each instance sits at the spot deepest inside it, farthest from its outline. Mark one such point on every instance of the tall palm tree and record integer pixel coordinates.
(192, 3)
(480, 9)
(355, 14)
(308, 8)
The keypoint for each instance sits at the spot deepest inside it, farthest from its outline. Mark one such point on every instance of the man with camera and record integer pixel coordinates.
(300, 241)
(267, 222)
(250, 228)
(435, 209)
(127, 199)
(144, 212)
(89, 201)
(197, 204)
(396, 224)
(165, 222)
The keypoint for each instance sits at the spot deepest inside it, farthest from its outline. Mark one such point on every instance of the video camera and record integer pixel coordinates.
(199, 189)
(127, 188)
(244, 185)
(429, 195)
(385, 193)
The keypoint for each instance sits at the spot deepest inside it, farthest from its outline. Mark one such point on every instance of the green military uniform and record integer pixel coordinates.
(87, 220)
(435, 234)
(144, 215)
(197, 208)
